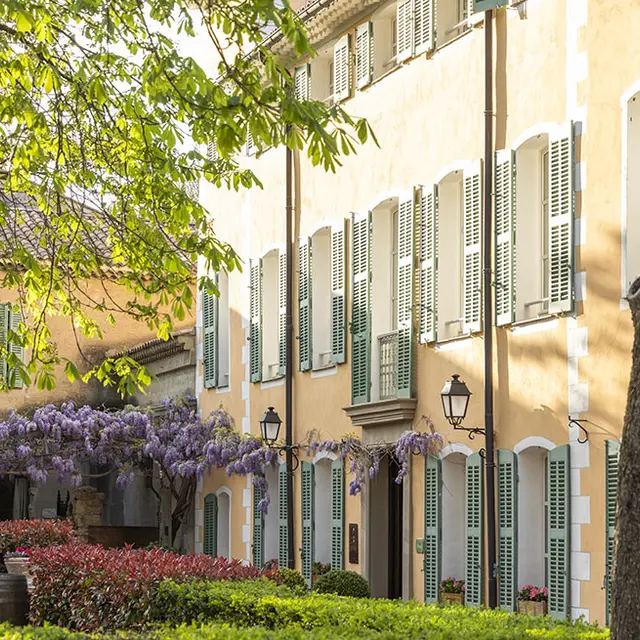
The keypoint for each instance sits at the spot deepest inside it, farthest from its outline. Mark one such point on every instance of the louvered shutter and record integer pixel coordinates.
(337, 515)
(364, 58)
(432, 523)
(4, 328)
(282, 312)
(212, 150)
(251, 147)
(612, 452)
(302, 82)
(210, 338)
(428, 249)
(558, 531)
(210, 546)
(338, 294)
(341, 69)
(283, 522)
(507, 530)
(308, 524)
(423, 25)
(404, 298)
(258, 528)
(15, 380)
(404, 29)
(255, 321)
(505, 236)
(473, 573)
(472, 257)
(360, 308)
(305, 337)
(561, 215)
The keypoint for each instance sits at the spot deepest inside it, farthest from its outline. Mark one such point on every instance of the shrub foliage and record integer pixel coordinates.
(34, 533)
(343, 583)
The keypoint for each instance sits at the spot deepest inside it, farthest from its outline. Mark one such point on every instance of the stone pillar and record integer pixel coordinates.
(87, 510)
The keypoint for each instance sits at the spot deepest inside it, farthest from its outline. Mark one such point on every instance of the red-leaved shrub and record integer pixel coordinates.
(88, 588)
(34, 533)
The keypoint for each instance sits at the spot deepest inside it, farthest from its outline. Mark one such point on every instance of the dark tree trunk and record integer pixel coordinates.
(625, 601)
(184, 503)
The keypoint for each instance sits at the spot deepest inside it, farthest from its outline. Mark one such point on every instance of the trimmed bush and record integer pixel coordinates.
(343, 583)
(88, 588)
(34, 533)
(292, 579)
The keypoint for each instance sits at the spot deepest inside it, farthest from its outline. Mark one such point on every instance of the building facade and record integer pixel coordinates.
(387, 284)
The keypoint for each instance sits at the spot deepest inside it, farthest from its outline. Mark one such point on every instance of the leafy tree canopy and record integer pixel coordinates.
(102, 125)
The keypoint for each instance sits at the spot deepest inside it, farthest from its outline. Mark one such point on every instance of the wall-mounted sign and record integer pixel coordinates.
(486, 5)
(49, 514)
(353, 544)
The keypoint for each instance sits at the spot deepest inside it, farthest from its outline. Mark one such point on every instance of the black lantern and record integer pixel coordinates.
(270, 426)
(455, 400)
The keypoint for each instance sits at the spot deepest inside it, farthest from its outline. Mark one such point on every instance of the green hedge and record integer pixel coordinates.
(343, 583)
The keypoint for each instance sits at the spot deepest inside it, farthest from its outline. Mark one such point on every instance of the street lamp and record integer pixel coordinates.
(455, 397)
(270, 426)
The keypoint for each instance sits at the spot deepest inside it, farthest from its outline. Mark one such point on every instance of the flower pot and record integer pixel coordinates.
(452, 598)
(17, 566)
(532, 608)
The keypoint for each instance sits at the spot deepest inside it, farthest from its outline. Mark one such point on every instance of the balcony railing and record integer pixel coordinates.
(388, 348)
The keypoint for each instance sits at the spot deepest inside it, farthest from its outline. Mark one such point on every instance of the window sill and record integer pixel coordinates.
(323, 372)
(223, 389)
(448, 43)
(278, 381)
(381, 77)
(452, 344)
(533, 325)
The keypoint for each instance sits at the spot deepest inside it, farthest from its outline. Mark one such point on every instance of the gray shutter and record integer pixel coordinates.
(404, 298)
(258, 528)
(474, 546)
(432, 532)
(428, 250)
(282, 311)
(308, 519)
(210, 545)
(507, 530)
(338, 293)
(561, 215)
(302, 82)
(255, 321)
(472, 244)
(364, 58)
(210, 338)
(360, 308)
(15, 380)
(612, 458)
(558, 531)
(404, 29)
(424, 11)
(283, 522)
(337, 515)
(505, 236)
(341, 69)
(305, 337)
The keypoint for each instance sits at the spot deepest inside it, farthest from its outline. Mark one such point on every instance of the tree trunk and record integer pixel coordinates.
(184, 503)
(625, 600)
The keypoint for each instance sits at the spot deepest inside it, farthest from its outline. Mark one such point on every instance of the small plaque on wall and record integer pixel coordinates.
(353, 544)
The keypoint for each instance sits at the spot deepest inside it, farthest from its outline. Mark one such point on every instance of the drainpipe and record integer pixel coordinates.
(288, 411)
(487, 290)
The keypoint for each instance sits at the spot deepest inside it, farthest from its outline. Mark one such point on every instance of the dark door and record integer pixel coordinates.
(395, 531)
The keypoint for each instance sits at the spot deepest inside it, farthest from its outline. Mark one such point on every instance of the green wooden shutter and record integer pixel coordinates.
(428, 253)
(612, 456)
(432, 535)
(423, 12)
(404, 29)
(472, 244)
(210, 546)
(15, 380)
(558, 531)
(360, 309)
(302, 82)
(474, 546)
(561, 215)
(283, 522)
(505, 236)
(305, 348)
(341, 69)
(507, 530)
(337, 514)
(210, 338)
(258, 528)
(255, 321)
(4, 328)
(308, 519)
(364, 58)
(338, 294)
(282, 311)
(404, 298)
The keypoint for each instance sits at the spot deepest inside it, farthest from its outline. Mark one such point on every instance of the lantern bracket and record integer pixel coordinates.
(472, 431)
(573, 422)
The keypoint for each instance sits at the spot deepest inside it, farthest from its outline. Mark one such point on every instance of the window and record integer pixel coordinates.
(364, 51)
(453, 514)
(270, 316)
(451, 19)
(322, 75)
(414, 27)
(384, 37)
(321, 298)
(302, 81)
(10, 319)
(215, 334)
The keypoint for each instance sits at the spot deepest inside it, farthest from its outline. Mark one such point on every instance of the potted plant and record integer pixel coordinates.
(533, 600)
(17, 561)
(319, 569)
(452, 591)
